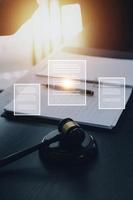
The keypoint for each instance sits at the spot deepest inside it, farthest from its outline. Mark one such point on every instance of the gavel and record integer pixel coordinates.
(68, 144)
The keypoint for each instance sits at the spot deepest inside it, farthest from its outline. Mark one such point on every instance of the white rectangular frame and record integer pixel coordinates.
(14, 93)
(85, 64)
(99, 103)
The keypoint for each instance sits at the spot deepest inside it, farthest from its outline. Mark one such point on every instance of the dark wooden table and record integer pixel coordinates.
(108, 177)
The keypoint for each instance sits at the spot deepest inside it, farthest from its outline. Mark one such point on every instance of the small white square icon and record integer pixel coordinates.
(111, 93)
(26, 99)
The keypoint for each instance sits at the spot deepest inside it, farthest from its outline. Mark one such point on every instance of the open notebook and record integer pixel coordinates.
(89, 114)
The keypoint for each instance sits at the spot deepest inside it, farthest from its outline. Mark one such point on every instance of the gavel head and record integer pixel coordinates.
(72, 134)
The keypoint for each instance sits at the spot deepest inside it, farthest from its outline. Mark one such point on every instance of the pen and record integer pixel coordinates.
(56, 87)
(95, 82)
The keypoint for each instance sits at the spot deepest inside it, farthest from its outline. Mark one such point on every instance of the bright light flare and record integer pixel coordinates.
(67, 84)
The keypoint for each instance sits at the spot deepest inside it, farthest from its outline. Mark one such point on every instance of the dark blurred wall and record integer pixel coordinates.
(108, 23)
(13, 13)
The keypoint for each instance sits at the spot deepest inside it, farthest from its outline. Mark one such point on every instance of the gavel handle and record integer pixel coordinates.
(20, 154)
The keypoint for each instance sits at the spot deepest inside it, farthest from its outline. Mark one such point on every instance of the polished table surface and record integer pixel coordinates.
(108, 177)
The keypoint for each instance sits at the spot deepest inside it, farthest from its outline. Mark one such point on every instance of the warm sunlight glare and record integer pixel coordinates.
(67, 84)
(55, 23)
(71, 21)
(41, 32)
(49, 26)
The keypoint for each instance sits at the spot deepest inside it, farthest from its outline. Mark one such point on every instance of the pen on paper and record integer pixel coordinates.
(72, 90)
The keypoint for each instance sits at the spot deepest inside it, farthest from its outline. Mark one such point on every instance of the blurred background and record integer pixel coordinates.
(108, 24)
(29, 32)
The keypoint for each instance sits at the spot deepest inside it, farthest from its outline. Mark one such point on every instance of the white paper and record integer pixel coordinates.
(96, 66)
(89, 114)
